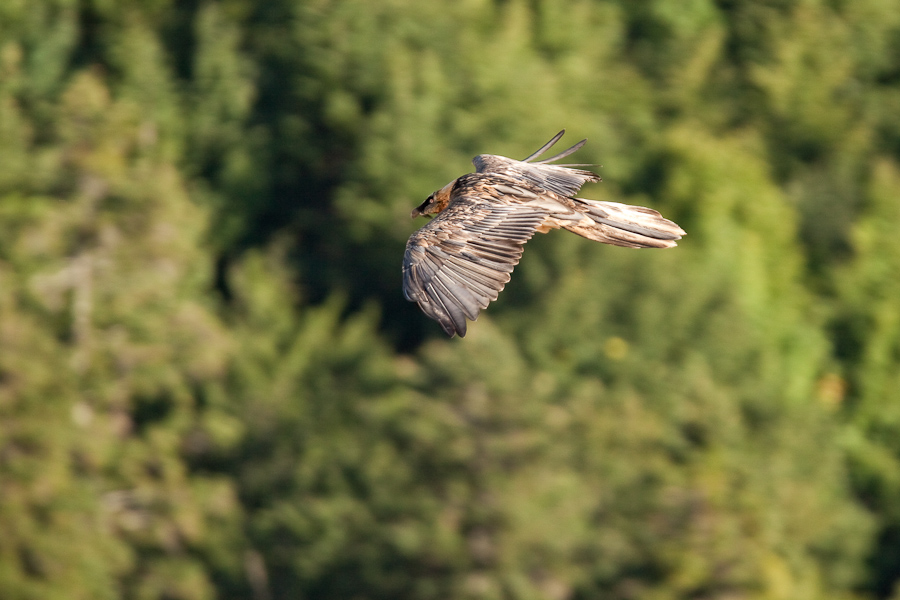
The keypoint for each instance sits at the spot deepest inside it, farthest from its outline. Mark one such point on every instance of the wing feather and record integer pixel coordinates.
(482, 293)
(460, 261)
(558, 179)
(447, 313)
(546, 146)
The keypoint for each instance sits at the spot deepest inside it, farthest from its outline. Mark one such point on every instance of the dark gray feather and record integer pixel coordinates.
(545, 147)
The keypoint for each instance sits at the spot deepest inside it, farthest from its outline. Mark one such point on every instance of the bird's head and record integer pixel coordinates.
(435, 203)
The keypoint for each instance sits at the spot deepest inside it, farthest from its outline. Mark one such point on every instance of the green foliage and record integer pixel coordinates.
(210, 385)
(866, 323)
(667, 358)
(107, 346)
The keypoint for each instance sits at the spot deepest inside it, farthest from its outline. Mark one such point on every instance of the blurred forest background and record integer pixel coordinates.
(211, 386)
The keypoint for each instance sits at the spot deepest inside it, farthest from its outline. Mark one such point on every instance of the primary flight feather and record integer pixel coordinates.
(460, 261)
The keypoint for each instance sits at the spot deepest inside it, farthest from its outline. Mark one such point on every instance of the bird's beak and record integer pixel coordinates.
(420, 209)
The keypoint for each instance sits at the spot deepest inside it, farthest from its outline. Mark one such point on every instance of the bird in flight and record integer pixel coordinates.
(460, 261)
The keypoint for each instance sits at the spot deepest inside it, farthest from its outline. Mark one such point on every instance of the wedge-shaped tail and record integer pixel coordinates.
(624, 225)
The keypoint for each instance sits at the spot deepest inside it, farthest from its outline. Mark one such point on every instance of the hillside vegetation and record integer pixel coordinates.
(211, 386)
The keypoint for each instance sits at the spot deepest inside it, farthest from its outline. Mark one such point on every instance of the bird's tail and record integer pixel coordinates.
(624, 225)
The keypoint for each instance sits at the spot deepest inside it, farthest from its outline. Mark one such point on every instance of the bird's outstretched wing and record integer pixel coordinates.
(460, 261)
(559, 179)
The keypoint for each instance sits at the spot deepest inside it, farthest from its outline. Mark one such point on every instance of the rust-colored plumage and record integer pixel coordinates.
(460, 261)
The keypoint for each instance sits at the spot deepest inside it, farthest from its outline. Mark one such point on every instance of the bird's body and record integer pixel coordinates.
(460, 261)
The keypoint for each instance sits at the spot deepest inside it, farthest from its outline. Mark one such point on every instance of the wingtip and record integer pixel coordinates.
(546, 146)
(564, 153)
(452, 330)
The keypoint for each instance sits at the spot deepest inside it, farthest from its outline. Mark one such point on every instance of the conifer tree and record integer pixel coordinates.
(865, 324)
(108, 345)
(210, 385)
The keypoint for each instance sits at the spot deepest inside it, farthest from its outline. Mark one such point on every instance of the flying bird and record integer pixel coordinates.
(460, 261)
